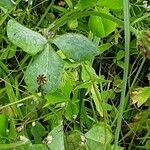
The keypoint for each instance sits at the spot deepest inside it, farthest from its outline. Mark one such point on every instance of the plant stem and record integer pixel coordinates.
(12, 145)
(79, 14)
(43, 16)
(16, 102)
(126, 68)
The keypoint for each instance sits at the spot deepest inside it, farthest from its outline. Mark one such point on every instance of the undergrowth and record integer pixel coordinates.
(74, 75)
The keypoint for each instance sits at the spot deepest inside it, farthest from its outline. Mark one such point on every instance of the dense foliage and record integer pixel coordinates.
(74, 74)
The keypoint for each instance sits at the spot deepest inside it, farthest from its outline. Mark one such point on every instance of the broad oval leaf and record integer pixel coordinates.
(7, 4)
(101, 27)
(112, 4)
(100, 133)
(44, 72)
(56, 137)
(86, 3)
(76, 46)
(30, 41)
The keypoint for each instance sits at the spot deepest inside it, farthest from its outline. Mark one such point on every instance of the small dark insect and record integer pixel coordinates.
(41, 79)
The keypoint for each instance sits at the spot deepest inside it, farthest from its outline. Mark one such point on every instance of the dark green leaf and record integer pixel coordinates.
(38, 131)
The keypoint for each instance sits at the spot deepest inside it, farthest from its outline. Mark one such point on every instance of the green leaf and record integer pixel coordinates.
(87, 72)
(71, 110)
(117, 148)
(23, 142)
(140, 95)
(3, 124)
(30, 41)
(73, 24)
(104, 47)
(99, 135)
(86, 3)
(112, 4)
(7, 4)
(120, 55)
(48, 64)
(76, 46)
(12, 129)
(56, 97)
(8, 52)
(73, 141)
(107, 95)
(147, 145)
(66, 85)
(97, 100)
(38, 147)
(101, 27)
(57, 139)
(120, 64)
(38, 131)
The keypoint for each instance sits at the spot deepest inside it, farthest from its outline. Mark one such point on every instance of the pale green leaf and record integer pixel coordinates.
(30, 41)
(7, 4)
(97, 100)
(48, 64)
(99, 135)
(57, 138)
(38, 147)
(140, 95)
(76, 46)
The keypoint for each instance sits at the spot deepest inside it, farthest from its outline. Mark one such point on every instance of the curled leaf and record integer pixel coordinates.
(140, 95)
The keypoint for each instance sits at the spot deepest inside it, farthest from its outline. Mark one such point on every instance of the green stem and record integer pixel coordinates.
(43, 16)
(134, 81)
(14, 145)
(140, 19)
(16, 102)
(79, 14)
(131, 87)
(126, 68)
(137, 74)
